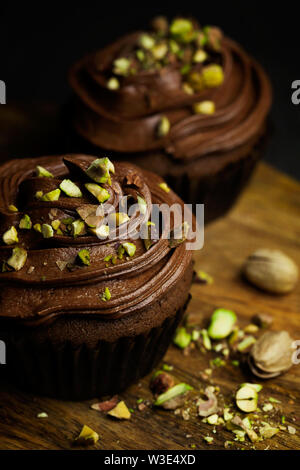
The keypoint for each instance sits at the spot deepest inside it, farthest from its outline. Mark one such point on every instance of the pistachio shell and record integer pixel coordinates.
(271, 270)
(272, 353)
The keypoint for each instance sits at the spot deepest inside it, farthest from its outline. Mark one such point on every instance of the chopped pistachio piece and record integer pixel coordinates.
(47, 231)
(221, 324)
(180, 27)
(227, 415)
(203, 277)
(51, 196)
(274, 400)
(12, 208)
(182, 338)
(120, 411)
(266, 431)
(106, 295)
(100, 193)
(77, 228)
(39, 194)
(25, 222)
(246, 399)
(87, 436)
(196, 81)
(187, 88)
(267, 407)
(178, 235)
(246, 343)
(199, 56)
(42, 415)
(102, 231)
(113, 84)
(118, 218)
(208, 439)
(257, 387)
(213, 419)
(164, 187)
(251, 328)
(213, 75)
(100, 169)
(18, 258)
(163, 127)
(159, 51)
(130, 248)
(84, 257)
(206, 340)
(55, 224)
(121, 66)
(42, 172)
(195, 335)
(37, 228)
(140, 55)
(174, 46)
(142, 205)
(70, 188)
(204, 107)
(10, 237)
(146, 41)
(172, 392)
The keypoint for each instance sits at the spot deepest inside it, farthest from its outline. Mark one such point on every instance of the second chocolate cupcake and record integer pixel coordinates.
(182, 100)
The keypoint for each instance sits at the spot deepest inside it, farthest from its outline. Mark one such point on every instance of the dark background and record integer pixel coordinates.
(38, 45)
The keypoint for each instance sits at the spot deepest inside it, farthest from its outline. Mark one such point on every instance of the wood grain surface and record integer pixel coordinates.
(267, 215)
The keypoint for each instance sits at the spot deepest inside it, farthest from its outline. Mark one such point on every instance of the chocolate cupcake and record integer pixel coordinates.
(87, 307)
(182, 100)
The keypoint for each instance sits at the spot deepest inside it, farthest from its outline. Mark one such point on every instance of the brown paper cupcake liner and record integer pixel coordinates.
(82, 373)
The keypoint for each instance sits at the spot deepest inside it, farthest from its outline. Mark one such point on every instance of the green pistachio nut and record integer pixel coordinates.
(18, 258)
(47, 231)
(77, 228)
(10, 237)
(113, 84)
(84, 257)
(106, 295)
(221, 324)
(204, 107)
(196, 81)
(121, 66)
(70, 188)
(181, 27)
(25, 222)
(102, 231)
(37, 228)
(213, 75)
(12, 208)
(182, 338)
(99, 171)
(51, 196)
(100, 193)
(55, 224)
(199, 56)
(130, 248)
(172, 392)
(146, 41)
(118, 218)
(163, 127)
(42, 172)
(159, 51)
(142, 205)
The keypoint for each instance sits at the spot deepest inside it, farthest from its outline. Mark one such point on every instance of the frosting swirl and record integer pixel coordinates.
(52, 281)
(126, 117)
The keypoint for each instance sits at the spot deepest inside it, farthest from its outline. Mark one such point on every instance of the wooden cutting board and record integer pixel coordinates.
(267, 215)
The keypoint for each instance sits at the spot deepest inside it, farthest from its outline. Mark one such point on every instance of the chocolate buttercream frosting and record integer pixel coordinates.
(63, 267)
(180, 88)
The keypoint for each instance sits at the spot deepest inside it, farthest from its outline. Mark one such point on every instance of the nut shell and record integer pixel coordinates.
(272, 271)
